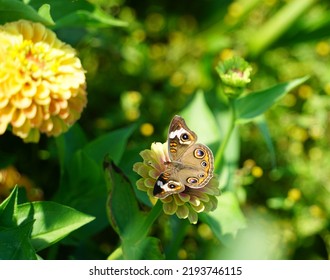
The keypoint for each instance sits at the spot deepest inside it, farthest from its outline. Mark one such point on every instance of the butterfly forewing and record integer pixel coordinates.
(180, 138)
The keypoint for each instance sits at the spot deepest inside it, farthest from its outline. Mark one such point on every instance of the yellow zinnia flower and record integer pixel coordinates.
(186, 204)
(42, 82)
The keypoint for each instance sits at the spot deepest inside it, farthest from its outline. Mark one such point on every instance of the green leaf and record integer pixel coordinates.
(12, 10)
(112, 144)
(260, 240)
(278, 24)
(116, 254)
(68, 144)
(92, 19)
(8, 209)
(145, 249)
(254, 104)
(44, 11)
(15, 243)
(78, 13)
(53, 221)
(307, 29)
(200, 119)
(126, 218)
(122, 206)
(227, 219)
(261, 123)
(82, 182)
(83, 188)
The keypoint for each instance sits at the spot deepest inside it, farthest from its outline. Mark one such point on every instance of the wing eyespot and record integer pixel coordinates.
(192, 180)
(172, 186)
(184, 137)
(199, 153)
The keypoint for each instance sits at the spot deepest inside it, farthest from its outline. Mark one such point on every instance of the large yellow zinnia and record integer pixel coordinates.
(42, 82)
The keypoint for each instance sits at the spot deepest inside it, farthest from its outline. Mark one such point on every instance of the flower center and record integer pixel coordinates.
(31, 56)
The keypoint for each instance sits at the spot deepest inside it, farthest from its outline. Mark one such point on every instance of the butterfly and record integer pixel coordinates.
(191, 164)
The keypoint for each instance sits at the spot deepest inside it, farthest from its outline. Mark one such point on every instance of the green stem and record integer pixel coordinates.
(179, 233)
(153, 214)
(149, 220)
(219, 157)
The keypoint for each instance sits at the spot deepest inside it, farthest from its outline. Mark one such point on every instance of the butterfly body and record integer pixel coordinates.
(191, 164)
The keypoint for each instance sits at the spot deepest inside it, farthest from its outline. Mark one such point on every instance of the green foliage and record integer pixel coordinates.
(11, 10)
(30, 227)
(226, 224)
(78, 13)
(127, 220)
(146, 62)
(256, 103)
(65, 13)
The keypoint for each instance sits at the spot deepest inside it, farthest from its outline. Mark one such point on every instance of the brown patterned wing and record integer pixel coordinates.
(168, 183)
(191, 164)
(180, 138)
(197, 166)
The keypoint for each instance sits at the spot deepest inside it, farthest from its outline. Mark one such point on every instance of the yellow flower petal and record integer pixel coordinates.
(141, 185)
(3, 127)
(22, 131)
(182, 212)
(18, 118)
(29, 89)
(20, 102)
(170, 208)
(193, 217)
(46, 126)
(184, 196)
(59, 126)
(37, 119)
(150, 182)
(149, 192)
(3, 102)
(6, 114)
(198, 208)
(31, 111)
(194, 201)
(177, 200)
(153, 173)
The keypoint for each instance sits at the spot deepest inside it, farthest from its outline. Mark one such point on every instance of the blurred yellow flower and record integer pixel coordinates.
(42, 82)
(9, 177)
(294, 194)
(147, 129)
(187, 204)
(257, 171)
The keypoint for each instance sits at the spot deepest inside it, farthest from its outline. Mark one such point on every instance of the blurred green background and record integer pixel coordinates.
(148, 71)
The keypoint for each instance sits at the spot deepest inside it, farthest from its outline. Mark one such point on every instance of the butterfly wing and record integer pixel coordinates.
(168, 182)
(180, 138)
(197, 166)
(191, 164)
(194, 170)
